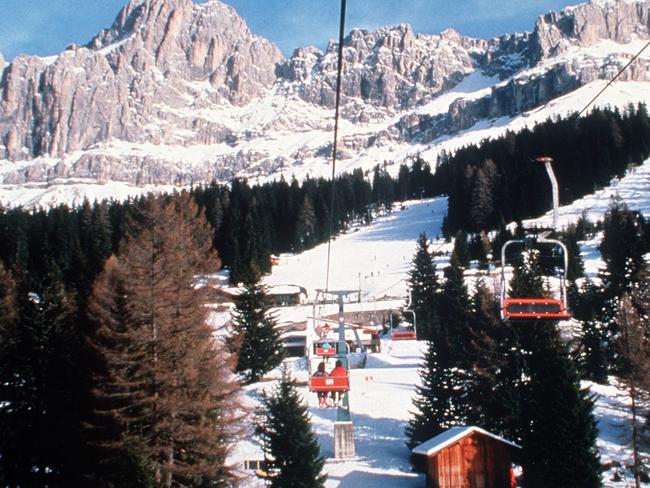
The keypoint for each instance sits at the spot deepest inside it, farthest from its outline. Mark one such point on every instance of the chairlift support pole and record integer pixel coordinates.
(343, 427)
(543, 239)
(554, 187)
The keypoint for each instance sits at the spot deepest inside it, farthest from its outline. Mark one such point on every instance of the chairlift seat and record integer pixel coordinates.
(329, 383)
(403, 335)
(325, 349)
(534, 309)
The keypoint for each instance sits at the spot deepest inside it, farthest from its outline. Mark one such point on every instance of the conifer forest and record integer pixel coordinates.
(111, 377)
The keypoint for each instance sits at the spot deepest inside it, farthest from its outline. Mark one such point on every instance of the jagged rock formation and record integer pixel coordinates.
(174, 74)
(390, 67)
(159, 56)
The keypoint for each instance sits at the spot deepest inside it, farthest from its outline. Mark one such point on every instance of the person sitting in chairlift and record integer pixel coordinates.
(322, 395)
(340, 372)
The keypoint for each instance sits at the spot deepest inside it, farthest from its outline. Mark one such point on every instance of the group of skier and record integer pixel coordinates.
(338, 372)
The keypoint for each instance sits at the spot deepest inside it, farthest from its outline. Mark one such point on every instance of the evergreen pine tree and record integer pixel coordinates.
(527, 281)
(258, 344)
(454, 312)
(461, 249)
(440, 401)
(559, 435)
(39, 374)
(558, 430)
(622, 248)
(291, 448)
(593, 358)
(423, 284)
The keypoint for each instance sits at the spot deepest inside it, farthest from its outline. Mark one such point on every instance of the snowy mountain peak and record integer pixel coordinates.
(175, 93)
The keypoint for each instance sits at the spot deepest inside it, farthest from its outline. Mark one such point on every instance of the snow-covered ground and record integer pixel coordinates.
(633, 189)
(381, 401)
(377, 258)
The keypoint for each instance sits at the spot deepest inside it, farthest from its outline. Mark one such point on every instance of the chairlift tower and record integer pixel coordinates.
(343, 426)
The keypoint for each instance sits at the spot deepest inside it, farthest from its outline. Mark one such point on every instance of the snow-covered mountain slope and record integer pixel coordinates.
(176, 93)
(377, 258)
(374, 258)
(382, 392)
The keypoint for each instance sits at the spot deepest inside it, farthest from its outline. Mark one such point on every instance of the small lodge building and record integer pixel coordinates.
(466, 457)
(286, 295)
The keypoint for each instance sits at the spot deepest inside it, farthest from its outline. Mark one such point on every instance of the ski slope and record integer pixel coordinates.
(378, 257)
(375, 258)
(381, 401)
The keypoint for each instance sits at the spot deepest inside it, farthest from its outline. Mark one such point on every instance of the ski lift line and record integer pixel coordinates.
(339, 73)
(620, 72)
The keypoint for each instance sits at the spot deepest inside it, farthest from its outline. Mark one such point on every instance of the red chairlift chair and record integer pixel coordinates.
(328, 384)
(538, 308)
(535, 308)
(403, 335)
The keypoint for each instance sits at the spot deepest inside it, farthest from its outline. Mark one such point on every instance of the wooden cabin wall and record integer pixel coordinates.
(475, 461)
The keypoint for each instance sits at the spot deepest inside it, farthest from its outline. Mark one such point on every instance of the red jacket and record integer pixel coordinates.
(339, 371)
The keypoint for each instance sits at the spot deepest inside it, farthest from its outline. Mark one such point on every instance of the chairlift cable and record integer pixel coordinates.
(339, 73)
(620, 72)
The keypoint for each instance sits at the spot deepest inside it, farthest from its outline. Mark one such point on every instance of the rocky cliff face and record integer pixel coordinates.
(128, 82)
(174, 74)
(391, 67)
(621, 21)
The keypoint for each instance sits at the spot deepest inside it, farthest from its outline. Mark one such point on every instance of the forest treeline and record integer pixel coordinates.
(497, 182)
(488, 185)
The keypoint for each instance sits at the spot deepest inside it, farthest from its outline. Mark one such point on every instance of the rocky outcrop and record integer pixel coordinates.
(391, 67)
(184, 75)
(140, 80)
(618, 20)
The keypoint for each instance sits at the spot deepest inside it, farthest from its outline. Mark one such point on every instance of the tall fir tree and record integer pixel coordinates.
(593, 357)
(558, 430)
(423, 285)
(497, 368)
(454, 313)
(39, 374)
(559, 434)
(461, 249)
(440, 401)
(622, 249)
(290, 447)
(166, 388)
(256, 338)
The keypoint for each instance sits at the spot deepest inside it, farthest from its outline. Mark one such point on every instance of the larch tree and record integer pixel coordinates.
(256, 339)
(167, 388)
(291, 448)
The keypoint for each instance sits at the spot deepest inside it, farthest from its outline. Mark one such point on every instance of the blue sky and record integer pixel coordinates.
(46, 27)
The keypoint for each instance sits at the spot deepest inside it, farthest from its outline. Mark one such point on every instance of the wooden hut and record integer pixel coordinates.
(467, 457)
